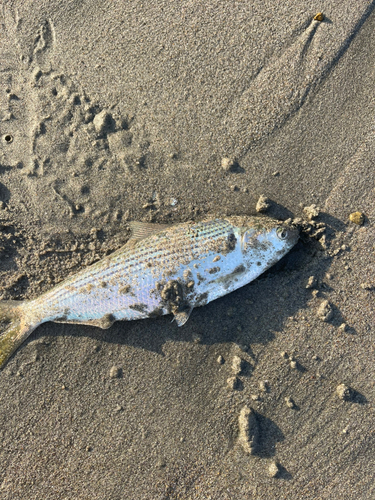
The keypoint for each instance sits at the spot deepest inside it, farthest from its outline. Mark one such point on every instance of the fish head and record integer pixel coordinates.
(267, 240)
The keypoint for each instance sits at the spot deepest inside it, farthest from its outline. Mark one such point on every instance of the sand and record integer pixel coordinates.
(119, 111)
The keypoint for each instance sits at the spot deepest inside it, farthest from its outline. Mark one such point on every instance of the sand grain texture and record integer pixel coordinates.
(120, 111)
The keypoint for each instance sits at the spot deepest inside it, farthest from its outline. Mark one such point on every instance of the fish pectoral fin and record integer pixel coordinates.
(181, 317)
(142, 230)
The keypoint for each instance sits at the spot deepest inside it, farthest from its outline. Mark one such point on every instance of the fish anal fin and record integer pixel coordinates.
(105, 322)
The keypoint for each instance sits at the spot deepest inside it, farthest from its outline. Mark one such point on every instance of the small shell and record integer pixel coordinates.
(319, 17)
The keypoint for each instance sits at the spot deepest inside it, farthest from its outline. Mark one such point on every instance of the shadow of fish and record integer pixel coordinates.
(161, 270)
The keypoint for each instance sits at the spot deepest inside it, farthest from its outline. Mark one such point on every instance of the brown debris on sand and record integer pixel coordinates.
(357, 218)
(319, 17)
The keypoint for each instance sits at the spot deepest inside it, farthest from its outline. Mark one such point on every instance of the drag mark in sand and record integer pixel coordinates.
(287, 80)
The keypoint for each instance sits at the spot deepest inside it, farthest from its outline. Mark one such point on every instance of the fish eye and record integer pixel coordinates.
(281, 233)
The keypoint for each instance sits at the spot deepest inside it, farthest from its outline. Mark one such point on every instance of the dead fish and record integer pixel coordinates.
(161, 270)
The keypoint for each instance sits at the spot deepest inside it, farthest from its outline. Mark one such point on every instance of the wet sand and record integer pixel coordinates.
(119, 111)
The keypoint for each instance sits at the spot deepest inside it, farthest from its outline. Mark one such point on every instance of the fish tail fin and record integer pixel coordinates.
(14, 327)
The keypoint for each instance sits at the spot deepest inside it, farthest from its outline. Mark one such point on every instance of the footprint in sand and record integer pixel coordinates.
(52, 132)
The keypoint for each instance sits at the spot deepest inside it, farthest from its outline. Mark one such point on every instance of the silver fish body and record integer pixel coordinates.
(161, 270)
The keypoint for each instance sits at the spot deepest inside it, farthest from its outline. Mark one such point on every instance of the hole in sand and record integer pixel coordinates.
(8, 138)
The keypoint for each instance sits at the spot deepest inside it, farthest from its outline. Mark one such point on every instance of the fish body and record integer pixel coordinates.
(161, 270)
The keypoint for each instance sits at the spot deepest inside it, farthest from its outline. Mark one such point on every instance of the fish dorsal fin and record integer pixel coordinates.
(142, 230)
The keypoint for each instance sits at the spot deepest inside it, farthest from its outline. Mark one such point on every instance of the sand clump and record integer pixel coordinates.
(325, 311)
(237, 365)
(263, 204)
(248, 430)
(115, 372)
(344, 392)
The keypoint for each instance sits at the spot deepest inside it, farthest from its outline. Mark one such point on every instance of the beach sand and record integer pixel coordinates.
(119, 111)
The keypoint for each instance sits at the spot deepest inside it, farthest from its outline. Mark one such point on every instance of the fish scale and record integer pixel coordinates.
(135, 261)
(161, 270)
